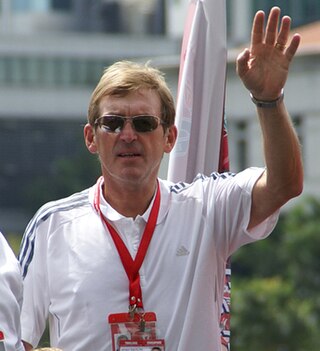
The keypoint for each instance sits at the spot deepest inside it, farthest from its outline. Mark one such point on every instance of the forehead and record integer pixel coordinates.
(135, 102)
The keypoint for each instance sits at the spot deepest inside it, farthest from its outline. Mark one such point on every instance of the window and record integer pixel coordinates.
(61, 4)
(50, 71)
(302, 12)
(30, 5)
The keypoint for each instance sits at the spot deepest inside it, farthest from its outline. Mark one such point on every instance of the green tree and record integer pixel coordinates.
(302, 243)
(267, 316)
(275, 295)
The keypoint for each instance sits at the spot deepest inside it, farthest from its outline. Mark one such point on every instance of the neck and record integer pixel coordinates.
(129, 201)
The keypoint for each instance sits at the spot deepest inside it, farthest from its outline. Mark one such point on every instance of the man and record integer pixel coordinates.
(135, 243)
(10, 299)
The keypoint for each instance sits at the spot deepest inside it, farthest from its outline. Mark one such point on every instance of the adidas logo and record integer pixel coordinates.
(182, 251)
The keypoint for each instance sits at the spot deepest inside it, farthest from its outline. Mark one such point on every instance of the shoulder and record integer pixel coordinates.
(216, 186)
(200, 181)
(8, 260)
(74, 202)
(10, 277)
(51, 215)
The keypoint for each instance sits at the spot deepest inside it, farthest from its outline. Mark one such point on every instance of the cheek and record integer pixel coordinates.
(158, 148)
(104, 143)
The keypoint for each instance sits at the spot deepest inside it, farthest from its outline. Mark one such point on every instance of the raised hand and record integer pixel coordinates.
(264, 67)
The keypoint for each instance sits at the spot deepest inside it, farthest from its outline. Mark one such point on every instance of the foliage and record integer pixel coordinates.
(275, 294)
(271, 317)
(303, 247)
(14, 242)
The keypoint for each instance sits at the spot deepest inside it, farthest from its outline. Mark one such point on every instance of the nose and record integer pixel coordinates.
(128, 133)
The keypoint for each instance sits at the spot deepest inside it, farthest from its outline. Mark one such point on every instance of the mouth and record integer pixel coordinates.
(128, 154)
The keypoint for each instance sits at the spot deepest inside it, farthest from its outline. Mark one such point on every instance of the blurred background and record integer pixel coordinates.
(52, 54)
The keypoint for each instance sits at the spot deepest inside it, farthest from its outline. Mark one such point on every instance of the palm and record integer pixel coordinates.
(267, 71)
(264, 68)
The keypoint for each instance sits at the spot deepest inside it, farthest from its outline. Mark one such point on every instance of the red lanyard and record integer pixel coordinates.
(131, 266)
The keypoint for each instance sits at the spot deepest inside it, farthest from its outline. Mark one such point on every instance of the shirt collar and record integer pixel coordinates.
(111, 214)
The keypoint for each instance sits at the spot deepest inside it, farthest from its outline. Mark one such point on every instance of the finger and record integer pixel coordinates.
(293, 47)
(257, 32)
(272, 26)
(284, 31)
(242, 62)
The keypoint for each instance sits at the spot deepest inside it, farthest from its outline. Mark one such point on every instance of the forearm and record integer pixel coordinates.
(284, 176)
(264, 69)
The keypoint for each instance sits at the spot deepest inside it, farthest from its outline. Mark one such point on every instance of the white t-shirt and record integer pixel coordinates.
(74, 276)
(10, 297)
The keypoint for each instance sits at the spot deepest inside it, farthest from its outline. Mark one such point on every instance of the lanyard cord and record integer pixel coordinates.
(131, 266)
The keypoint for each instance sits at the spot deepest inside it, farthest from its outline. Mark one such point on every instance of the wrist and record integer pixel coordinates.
(267, 104)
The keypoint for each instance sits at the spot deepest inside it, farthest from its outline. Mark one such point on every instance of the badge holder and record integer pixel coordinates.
(134, 332)
(142, 345)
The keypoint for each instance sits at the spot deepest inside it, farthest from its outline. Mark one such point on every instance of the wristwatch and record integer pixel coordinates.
(267, 104)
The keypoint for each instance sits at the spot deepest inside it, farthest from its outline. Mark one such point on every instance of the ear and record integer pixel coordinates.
(89, 138)
(171, 137)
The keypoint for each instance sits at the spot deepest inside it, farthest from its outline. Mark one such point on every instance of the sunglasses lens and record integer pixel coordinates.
(141, 124)
(145, 123)
(112, 124)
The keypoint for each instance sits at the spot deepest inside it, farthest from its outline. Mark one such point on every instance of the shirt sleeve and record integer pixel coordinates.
(232, 211)
(32, 259)
(10, 297)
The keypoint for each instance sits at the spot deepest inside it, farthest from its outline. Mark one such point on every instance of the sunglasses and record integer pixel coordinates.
(141, 123)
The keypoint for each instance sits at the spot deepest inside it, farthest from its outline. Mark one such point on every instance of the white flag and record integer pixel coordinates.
(202, 144)
(201, 90)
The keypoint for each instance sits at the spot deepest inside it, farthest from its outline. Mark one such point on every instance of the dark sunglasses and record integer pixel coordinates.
(141, 123)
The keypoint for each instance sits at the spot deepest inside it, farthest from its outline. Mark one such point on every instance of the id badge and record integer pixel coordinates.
(139, 328)
(142, 345)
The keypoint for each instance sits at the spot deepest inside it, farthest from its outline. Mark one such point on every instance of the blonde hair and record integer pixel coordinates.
(47, 349)
(124, 77)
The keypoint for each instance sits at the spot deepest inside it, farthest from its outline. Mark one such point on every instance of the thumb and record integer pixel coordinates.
(242, 62)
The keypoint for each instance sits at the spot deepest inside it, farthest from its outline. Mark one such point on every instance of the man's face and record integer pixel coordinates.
(130, 156)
